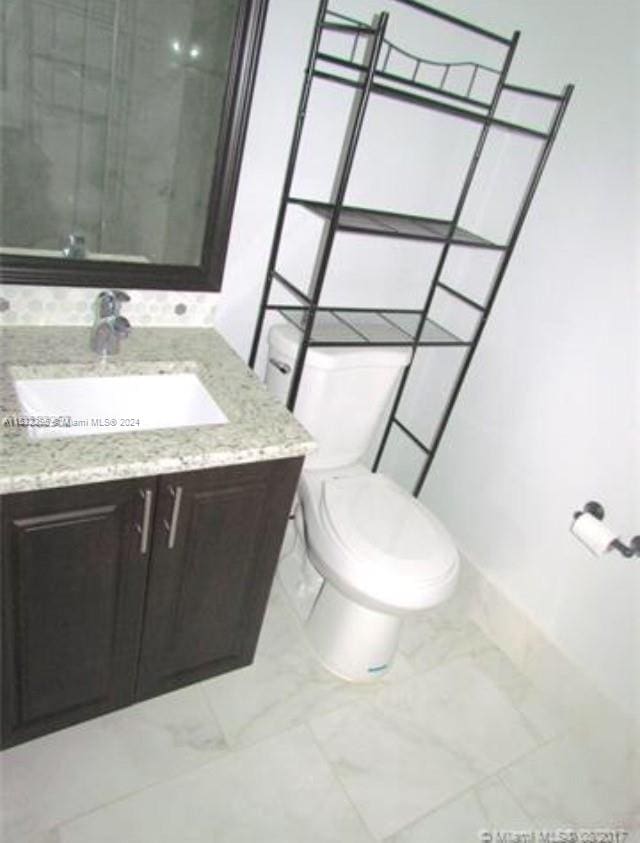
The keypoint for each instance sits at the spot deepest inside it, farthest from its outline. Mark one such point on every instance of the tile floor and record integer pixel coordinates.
(452, 742)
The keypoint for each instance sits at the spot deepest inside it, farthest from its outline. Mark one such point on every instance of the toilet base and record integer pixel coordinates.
(352, 641)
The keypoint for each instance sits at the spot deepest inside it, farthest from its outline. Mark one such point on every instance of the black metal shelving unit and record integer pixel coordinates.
(476, 101)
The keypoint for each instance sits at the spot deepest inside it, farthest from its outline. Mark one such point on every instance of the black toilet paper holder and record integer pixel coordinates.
(596, 509)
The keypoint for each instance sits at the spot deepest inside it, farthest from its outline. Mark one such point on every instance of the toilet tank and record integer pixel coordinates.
(343, 392)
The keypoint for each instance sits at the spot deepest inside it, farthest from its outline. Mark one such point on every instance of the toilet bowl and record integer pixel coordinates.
(382, 555)
(376, 542)
(380, 552)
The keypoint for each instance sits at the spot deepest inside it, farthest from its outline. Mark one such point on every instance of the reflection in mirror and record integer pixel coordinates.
(110, 120)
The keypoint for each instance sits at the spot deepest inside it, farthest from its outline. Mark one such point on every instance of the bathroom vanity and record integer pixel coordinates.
(138, 562)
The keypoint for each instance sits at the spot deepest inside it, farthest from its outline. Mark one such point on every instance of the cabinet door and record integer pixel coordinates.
(74, 572)
(215, 548)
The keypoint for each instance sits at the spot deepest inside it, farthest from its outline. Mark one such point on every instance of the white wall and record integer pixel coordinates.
(548, 417)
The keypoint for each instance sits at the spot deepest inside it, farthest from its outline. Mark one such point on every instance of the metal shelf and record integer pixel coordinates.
(390, 224)
(438, 105)
(354, 326)
(370, 66)
(414, 88)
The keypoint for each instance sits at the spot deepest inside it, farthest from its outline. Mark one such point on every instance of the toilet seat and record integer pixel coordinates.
(377, 520)
(378, 542)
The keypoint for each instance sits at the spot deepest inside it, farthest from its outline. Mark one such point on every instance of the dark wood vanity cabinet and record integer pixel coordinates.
(115, 592)
(73, 584)
(203, 618)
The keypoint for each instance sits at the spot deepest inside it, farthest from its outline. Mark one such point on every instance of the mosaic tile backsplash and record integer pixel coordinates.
(35, 305)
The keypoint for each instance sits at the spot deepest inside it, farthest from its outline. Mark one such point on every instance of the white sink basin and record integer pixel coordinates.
(88, 406)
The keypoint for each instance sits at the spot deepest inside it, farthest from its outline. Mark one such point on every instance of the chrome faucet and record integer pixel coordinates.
(109, 326)
(75, 246)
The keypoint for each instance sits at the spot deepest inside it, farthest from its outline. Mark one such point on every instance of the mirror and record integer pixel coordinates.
(121, 131)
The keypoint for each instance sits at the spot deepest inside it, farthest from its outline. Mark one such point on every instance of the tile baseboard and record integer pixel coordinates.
(541, 661)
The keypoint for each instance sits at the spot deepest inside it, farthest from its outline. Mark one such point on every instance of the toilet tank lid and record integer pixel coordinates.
(285, 340)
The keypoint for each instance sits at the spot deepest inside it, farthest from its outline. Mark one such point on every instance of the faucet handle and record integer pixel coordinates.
(110, 301)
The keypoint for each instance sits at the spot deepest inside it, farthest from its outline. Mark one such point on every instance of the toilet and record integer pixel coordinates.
(380, 552)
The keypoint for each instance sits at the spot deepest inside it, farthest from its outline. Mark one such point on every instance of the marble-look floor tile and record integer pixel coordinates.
(286, 685)
(55, 778)
(281, 791)
(543, 716)
(420, 742)
(438, 636)
(487, 807)
(587, 778)
(49, 836)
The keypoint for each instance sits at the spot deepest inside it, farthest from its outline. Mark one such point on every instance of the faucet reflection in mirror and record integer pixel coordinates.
(75, 247)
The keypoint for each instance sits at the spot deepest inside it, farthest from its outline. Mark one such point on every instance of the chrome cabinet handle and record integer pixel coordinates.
(147, 496)
(172, 526)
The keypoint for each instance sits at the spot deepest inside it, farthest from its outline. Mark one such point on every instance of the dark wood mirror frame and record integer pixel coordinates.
(207, 276)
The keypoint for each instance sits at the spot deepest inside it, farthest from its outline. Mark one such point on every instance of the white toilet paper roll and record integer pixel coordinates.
(594, 534)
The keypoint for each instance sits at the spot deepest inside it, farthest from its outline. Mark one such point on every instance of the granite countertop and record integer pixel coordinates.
(259, 427)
